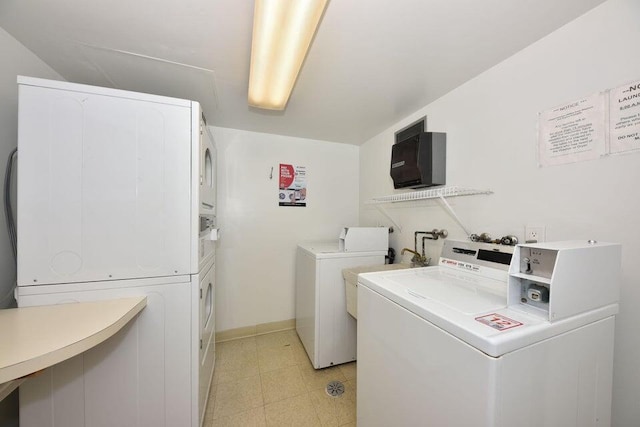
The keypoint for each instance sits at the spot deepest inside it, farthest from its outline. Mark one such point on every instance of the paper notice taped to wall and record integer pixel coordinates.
(624, 118)
(572, 132)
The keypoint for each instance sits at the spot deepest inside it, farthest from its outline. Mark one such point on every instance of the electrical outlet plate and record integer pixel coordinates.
(534, 233)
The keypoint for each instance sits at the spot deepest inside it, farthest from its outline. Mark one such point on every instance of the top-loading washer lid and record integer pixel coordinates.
(467, 294)
(470, 307)
(321, 250)
(320, 247)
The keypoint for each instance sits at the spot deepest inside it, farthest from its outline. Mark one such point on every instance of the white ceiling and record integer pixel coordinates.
(372, 62)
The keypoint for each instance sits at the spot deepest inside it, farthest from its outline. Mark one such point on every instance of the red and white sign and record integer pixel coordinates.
(287, 175)
(498, 321)
(292, 186)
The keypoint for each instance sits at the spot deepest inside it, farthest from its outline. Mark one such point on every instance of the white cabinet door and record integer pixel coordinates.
(103, 187)
(140, 377)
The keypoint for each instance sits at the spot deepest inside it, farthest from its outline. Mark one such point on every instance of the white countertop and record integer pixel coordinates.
(34, 338)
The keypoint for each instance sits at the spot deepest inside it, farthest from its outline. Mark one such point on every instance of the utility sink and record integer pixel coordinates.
(350, 276)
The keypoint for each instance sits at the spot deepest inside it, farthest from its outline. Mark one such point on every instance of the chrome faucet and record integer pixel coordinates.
(417, 260)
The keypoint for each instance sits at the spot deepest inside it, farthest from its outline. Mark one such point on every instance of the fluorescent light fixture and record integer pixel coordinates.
(282, 33)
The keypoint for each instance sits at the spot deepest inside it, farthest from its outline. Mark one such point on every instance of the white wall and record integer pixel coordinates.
(491, 130)
(16, 59)
(255, 277)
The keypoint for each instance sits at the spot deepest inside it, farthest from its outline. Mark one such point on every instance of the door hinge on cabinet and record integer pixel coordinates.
(200, 344)
(200, 293)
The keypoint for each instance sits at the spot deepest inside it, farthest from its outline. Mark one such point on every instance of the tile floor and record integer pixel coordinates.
(268, 380)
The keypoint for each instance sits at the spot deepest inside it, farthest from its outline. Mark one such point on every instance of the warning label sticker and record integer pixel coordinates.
(498, 321)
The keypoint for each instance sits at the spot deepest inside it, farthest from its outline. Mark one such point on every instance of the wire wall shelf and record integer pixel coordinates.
(434, 193)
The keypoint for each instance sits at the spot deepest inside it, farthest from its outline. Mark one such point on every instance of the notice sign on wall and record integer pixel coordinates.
(624, 118)
(292, 189)
(572, 132)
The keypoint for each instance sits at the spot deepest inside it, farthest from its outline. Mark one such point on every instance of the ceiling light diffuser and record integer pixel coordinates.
(282, 33)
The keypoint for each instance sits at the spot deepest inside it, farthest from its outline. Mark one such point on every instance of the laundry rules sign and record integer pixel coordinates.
(601, 124)
(292, 189)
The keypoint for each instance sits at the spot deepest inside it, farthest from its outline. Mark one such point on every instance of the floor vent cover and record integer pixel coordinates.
(335, 388)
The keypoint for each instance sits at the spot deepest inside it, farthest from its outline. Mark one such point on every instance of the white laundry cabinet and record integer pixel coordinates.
(116, 198)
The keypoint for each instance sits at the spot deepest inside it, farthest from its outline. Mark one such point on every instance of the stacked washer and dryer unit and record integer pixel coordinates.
(116, 198)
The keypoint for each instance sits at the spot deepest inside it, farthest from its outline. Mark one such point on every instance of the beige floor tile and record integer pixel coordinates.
(319, 378)
(269, 380)
(238, 396)
(335, 411)
(300, 355)
(348, 370)
(296, 412)
(297, 346)
(251, 418)
(233, 355)
(296, 338)
(250, 369)
(351, 390)
(354, 384)
(238, 355)
(245, 364)
(281, 384)
(272, 358)
(278, 339)
(233, 346)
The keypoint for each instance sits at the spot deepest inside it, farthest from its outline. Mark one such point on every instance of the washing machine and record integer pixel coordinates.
(327, 331)
(491, 338)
